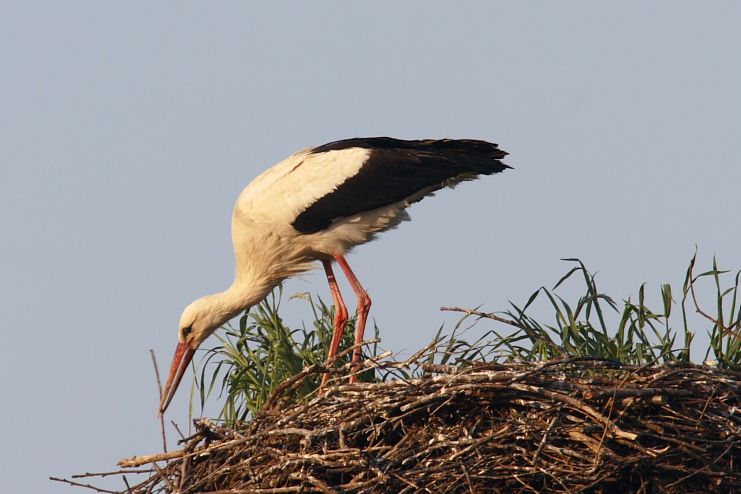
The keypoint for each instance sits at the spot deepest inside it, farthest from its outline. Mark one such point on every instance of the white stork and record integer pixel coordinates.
(316, 206)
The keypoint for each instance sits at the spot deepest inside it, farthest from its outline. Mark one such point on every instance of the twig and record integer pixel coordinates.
(578, 405)
(165, 478)
(108, 474)
(532, 334)
(182, 436)
(126, 482)
(87, 486)
(138, 461)
(544, 440)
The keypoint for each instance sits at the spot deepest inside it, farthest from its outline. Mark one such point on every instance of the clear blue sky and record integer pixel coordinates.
(128, 129)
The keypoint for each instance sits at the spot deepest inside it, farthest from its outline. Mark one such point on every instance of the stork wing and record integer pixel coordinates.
(395, 170)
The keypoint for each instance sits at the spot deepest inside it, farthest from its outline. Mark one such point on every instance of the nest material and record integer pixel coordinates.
(583, 425)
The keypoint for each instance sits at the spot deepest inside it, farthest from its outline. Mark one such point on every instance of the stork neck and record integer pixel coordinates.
(242, 295)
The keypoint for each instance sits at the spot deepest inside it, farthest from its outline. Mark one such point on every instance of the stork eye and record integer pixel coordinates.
(186, 331)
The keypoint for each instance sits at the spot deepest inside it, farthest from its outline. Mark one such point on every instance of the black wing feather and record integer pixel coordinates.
(397, 170)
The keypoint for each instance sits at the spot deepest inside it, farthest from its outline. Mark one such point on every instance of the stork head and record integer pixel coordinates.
(198, 321)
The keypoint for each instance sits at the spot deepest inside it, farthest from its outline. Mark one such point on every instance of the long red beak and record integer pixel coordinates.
(183, 355)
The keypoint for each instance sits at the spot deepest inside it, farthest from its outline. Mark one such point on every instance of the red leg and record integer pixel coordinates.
(364, 303)
(340, 315)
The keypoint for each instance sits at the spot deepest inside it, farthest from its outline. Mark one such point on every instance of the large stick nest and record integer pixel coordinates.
(579, 425)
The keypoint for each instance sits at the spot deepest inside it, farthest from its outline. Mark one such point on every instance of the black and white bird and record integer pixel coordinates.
(316, 206)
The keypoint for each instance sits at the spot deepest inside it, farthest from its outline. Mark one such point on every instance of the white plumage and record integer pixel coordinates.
(315, 206)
